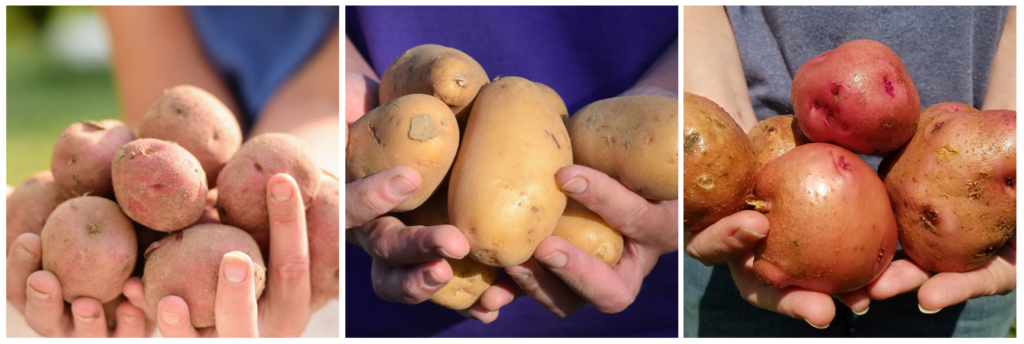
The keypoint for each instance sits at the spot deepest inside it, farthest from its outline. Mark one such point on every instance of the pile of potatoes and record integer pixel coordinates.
(946, 190)
(488, 151)
(167, 202)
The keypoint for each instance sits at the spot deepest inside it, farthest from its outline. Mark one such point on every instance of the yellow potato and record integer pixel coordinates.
(416, 130)
(469, 281)
(556, 100)
(587, 231)
(503, 194)
(442, 72)
(632, 139)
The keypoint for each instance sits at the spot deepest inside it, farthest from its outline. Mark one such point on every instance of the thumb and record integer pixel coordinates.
(730, 237)
(370, 197)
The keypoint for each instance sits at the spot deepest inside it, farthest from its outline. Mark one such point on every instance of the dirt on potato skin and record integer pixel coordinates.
(81, 157)
(159, 184)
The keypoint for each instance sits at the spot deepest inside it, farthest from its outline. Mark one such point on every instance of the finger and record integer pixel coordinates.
(235, 305)
(545, 288)
(728, 238)
(814, 307)
(504, 291)
(478, 312)
(131, 321)
(44, 306)
(90, 322)
(652, 223)
(288, 290)
(996, 276)
(22, 260)
(367, 198)
(858, 300)
(902, 276)
(136, 295)
(173, 318)
(409, 285)
(610, 291)
(390, 241)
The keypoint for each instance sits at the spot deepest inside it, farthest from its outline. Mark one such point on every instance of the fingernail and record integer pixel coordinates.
(400, 187)
(171, 318)
(25, 255)
(128, 319)
(444, 253)
(282, 191)
(234, 267)
(865, 311)
(925, 311)
(575, 186)
(555, 260)
(84, 320)
(815, 326)
(37, 294)
(432, 280)
(746, 235)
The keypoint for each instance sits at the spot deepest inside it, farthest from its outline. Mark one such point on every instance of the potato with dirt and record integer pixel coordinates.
(832, 229)
(718, 164)
(953, 189)
(555, 99)
(187, 263)
(445, 73)
(859, 96)
(242, 184)
(197, 121)
(30, 205)
(322, 229)
(159, 184)
(89, 245)
(634, 140)
(81, 157)
(773, 137)
(502, 193)
(470, 279)
(586, 230)
(415, 130)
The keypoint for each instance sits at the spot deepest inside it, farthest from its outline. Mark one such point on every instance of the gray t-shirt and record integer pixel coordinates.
(948, 51)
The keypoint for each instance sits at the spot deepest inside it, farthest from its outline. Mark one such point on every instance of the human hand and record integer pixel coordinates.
(562, 278)
(937, 291)
(286, 305)
(37, 295)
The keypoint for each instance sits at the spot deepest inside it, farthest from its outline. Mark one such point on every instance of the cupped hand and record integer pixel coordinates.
(562, 278)
(285, 306)
(37, 295)
(998, 276)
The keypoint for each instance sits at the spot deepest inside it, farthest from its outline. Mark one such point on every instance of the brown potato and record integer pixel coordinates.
(442, 72)
(469, 281)
(556, 100)
(503, 194)
(774, 136)
(589, 232)
(632, 139)
(416, 130)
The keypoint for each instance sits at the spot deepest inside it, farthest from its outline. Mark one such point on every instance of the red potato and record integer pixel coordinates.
(159, 184)
(832, 229)
(859, 96)
(953, 188)
(30, 205)
(82, 154)
(322, 226)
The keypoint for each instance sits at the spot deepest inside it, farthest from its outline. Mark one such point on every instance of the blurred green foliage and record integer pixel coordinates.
(43, 96)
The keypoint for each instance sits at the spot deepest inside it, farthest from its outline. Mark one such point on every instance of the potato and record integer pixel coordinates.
(433, 212)
(442, 72)
(89, 245)
(242, 184)
(469, 281)
(632, 139)
(82, 154)
(719, 171)
(197, 121)
(416, 130)
(932, 111)
(322, 224)
(773, 137)
(503, 194)
(186, 263)
(953, 188)
(859, 96)
(30, 205)
(159, 184)
(556, 100)
(589, 232)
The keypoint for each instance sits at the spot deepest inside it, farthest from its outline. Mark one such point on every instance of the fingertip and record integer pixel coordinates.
(172, 311)
(42, 286)
(128, 313)
(236, 267)
(281, 187)
(402, 181)
(437, 274)
(86, 310)
(27, 248)
(451, 242)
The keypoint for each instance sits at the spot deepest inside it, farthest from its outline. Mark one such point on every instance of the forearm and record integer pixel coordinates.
(711, 65)
(155, 48)
(1002, 81)
(664, 72)
(354, 61)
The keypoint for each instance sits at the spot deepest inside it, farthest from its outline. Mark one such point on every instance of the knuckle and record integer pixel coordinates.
(291, 269)
(619, 302)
